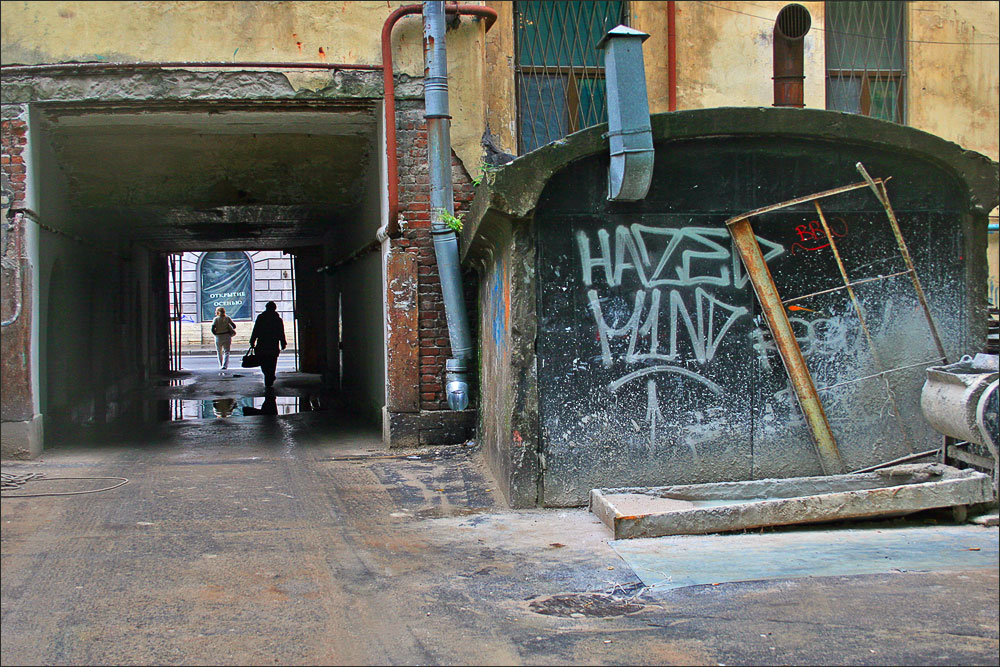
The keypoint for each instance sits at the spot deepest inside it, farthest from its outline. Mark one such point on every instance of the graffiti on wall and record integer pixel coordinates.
(678, 317)
(812, 236)
(498, 295)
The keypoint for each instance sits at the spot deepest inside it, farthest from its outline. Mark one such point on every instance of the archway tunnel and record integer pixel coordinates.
(121, 190)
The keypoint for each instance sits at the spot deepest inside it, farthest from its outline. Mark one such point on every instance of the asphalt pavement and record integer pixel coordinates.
(299, 539)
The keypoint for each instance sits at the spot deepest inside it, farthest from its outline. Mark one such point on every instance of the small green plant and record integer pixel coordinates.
(487, 172)
(454, 222)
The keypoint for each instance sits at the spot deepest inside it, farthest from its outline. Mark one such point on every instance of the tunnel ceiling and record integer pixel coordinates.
(211, 178)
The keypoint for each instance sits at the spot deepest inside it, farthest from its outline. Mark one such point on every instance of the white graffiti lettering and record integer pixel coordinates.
(672, 319)
(823, 336)
(667, 257)
(712, 320)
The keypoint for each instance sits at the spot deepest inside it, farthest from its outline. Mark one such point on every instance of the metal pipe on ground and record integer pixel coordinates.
(442, 203)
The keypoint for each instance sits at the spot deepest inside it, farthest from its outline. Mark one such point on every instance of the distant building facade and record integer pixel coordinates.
(240, 281)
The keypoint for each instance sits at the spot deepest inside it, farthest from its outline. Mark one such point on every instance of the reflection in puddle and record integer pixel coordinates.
(177, 382)
(180, 409)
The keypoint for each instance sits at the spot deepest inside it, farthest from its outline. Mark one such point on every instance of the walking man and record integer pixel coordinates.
(268, 334)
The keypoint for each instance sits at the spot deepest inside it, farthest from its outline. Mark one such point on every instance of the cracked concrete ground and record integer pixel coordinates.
(299, 539)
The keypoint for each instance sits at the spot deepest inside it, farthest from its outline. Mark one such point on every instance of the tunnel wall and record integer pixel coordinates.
(357, 286)
(80, 340)
(20, 420)
(653, 363)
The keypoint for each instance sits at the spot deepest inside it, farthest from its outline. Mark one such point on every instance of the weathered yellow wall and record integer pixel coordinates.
(724, 53)
(498, 78)
(953, 89)
(304, 31)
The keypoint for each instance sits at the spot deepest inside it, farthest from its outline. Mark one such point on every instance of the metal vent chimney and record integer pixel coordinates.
(629, 134)
(790, 29)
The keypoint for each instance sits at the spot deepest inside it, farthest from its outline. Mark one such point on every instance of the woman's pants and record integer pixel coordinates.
(268, 364)
(222, 345)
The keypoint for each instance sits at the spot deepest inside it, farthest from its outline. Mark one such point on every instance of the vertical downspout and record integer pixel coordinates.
(442, 200)
(391, 226)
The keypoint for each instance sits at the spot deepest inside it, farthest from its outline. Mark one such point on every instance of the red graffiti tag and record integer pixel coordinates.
(814, 232)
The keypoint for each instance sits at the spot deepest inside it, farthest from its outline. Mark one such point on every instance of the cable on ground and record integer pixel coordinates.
(12, 481)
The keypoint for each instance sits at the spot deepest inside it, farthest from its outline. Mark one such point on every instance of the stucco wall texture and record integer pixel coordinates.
(723, 53)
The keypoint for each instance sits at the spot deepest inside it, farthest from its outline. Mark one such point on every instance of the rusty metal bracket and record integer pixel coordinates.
(791, 355)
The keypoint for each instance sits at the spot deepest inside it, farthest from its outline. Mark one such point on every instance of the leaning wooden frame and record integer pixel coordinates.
(773, 308)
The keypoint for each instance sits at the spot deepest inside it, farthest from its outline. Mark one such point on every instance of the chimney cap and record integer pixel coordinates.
(622, 31)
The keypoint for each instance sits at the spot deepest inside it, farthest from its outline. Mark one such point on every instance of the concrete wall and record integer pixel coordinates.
(500, 98)
(652, 363)
(359, 287)
(724, 54)
(953, 72)
(93, 305)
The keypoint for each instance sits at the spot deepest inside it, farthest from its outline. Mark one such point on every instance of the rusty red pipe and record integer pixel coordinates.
(790, 28)
(389, 93)
(671, 55)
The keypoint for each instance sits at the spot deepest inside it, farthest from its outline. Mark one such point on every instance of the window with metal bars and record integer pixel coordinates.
(560, 72)
(865, 58)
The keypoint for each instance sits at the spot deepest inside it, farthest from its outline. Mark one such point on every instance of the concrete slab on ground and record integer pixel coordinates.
(726, 506)
(697, 560)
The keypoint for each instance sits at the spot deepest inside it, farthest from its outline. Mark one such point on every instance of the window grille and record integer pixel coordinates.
(560, 72)
(865, 58)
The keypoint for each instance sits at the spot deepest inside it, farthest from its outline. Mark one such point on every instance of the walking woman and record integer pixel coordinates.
(223, 327)
(268, 333)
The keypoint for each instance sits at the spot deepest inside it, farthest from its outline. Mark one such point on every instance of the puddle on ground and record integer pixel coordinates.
(246, 406)
(177, 382)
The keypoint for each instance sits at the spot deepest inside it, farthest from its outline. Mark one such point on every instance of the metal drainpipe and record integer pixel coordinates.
(443, 201)
(391, 226)
(630, 138)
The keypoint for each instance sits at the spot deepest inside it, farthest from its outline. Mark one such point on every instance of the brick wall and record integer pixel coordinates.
(414, 206)
(16, 403)
(14, 138)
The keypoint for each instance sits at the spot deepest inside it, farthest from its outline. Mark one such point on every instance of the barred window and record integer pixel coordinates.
(560, 72)
(865, 58)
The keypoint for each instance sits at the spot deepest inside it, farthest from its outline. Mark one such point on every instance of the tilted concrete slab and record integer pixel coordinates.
(725, 506)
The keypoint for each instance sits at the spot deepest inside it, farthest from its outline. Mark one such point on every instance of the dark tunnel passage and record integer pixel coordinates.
(126, 189)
